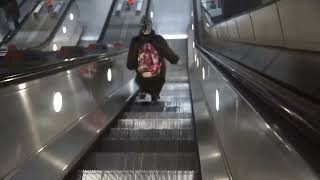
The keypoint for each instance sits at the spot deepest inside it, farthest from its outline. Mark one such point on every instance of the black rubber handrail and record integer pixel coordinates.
(55, 30)
(107, 22)
(50, 69)
(11, 34)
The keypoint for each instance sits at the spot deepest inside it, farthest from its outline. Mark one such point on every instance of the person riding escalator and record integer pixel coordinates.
(146, 54)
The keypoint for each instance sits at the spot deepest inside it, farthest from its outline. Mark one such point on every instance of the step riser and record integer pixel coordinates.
(136, 175)
(146, 146)
(155, 124)
(156, 115)
(150, 134)
(142, 161)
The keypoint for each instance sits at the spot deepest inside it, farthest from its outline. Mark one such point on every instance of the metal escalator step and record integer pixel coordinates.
(175, 86)
(155, 123)
(150, 134)
(156, 115)
(168, 106)
(135, 175)
(141, 161)
(176, 93)
(109, 145)
(152, 107)
(167, 98)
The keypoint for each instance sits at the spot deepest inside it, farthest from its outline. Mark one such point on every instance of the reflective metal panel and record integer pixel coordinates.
(172, 17)
(35, 113)
(253, 150)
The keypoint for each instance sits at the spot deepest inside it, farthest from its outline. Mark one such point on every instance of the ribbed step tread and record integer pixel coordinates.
(152, 107)
(146, 146)
(168, 106)
(155, 123)
(141, 161)
(176, 93)
(156, 115)
(136, 175)
(175, 86)
(150, 134)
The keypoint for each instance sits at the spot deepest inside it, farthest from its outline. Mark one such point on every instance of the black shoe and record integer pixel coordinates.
(155, 98)
(142, 95)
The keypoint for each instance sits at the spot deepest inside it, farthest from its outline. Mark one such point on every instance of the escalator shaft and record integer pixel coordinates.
(148, 141)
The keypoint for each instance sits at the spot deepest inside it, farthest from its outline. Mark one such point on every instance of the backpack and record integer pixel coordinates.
(149, 64)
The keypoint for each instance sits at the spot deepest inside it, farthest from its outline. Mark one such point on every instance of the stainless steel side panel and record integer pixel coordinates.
(251, 148)
(39, 113)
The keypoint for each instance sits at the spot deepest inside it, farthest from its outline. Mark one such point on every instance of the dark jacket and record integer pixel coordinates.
(160, 45)
(12, 9)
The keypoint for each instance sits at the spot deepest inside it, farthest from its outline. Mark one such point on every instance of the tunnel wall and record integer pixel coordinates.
(285, 23)
(253, 40)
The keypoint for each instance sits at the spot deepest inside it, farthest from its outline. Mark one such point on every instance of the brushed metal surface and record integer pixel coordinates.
(266, 25)
(36, 113)
(245, 28)
(212, 163)
(225, 31)
(172, 17)
(252, 149)
(298, 19)
(233, 29)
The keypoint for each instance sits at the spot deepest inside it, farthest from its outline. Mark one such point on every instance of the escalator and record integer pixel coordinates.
(148, 140)
(215, 119)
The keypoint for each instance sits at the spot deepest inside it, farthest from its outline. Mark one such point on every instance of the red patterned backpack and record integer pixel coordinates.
(149, 64)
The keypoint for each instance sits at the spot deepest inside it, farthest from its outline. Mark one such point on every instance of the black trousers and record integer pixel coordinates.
(152, 86)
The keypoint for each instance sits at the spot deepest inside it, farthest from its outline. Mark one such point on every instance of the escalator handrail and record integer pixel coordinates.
(55, 30)
(299, 110)
(8, 37)
(107, 22)
(65, 65)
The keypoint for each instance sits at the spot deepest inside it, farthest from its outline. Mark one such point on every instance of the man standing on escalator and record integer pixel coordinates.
(145, 56)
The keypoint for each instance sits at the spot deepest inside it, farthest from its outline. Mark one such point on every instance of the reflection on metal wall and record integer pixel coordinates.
(36, 113)
(251, 148)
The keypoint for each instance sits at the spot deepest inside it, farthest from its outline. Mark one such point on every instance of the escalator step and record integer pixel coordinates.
(150, 134)
(152, 107)
(146, 146)
(172, 106)
(176, 93)
(155, 123)
(175, 86)
(136, 175)
(141, 161)
(156, 115)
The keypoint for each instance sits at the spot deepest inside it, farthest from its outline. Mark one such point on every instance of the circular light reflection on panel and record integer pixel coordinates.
(71, 16)
(203, 73)
(57, 102)
(192, 14)
(109, 75)
(64, 29)
(192, 27)
(55, 47)
(151, 14)
(194, 44)
(22, 86)
(217, 100)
